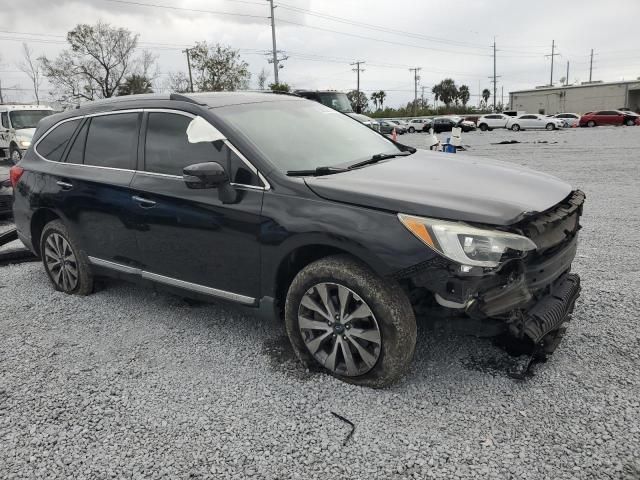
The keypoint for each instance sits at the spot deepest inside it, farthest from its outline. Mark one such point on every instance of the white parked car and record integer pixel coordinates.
(570, 119)
(419, 124)
(493, 120)
(532, 121)
(17, 125)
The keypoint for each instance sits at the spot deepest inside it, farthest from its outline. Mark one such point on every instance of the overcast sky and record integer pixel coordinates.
(443, 38)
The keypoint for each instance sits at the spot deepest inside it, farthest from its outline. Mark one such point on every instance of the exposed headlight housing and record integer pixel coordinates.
(24, 143)
(465, 244)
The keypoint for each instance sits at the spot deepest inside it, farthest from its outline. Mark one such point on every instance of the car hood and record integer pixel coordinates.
(25, 132)
(447, 186)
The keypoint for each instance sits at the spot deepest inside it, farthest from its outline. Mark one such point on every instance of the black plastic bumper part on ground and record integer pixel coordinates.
(552, 310)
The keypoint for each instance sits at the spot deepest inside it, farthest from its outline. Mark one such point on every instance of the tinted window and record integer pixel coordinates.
(168, 151)
(27, 118)
(607, 112)
(315, 135)
(112, 141)
(53, 145)
(76, 152)
(528, 117)
(5, 120)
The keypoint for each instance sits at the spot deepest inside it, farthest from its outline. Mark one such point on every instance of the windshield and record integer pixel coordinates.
(27, 118)
(301, 135)
(337, 101)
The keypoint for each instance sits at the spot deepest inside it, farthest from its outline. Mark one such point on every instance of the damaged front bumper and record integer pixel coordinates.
(531, 297)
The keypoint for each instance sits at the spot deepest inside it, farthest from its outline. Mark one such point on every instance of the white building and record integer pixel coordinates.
(582, 98)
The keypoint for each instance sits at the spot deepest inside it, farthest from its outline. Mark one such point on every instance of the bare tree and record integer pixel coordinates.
(31, 67)
(100, 58)
(262, 78)
(178, 83)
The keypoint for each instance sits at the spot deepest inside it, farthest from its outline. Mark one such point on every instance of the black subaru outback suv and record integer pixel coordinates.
(283, 204)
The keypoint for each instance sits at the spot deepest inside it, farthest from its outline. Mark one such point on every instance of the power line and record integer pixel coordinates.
(390, 42)
(184, 9)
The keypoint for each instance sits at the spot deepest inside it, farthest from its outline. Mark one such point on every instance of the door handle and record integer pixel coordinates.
(64, 185)
(143, 202)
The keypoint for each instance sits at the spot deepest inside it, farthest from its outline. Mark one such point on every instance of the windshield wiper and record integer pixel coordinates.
(316, 172)
(378, 157)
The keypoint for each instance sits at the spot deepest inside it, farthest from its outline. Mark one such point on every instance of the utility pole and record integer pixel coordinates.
(358, 69)
(495, 84)
(273, 38)
(591, 65)
(422, 98)
(566, 82)
(189, 65)
(416, 77)
(553, 54)
(479, 93)
(502, 96)
(1, 98)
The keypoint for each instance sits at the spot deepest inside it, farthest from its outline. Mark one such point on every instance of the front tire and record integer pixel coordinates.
(483, 127)
(550, 126)
(412, 130)
(344, 318)
(66, 264)
(630, 123)
(515, 127)
(591, 123)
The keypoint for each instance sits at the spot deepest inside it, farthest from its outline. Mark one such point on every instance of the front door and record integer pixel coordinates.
(188, 237)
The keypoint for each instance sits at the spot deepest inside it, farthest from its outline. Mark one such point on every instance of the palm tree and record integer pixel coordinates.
(135, 84)
(464, 94)
(381, 97)
(374, 98)
(446, 91)
(485, 95)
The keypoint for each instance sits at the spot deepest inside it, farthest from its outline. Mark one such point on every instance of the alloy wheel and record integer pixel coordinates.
(339, 329)
(61, 262)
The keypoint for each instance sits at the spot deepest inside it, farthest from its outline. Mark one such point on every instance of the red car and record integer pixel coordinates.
(608, 117)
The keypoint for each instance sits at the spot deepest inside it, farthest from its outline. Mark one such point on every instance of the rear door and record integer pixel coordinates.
(91, 187)
(188, 237)
(609, 117)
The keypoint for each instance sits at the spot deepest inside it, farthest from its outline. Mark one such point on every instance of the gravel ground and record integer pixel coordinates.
(128, 383)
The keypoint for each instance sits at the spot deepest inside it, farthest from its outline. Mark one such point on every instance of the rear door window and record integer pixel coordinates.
(76, 152)
(112, 141)
(53, 145)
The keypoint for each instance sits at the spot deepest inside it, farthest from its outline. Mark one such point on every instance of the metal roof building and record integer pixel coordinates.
(581, 98)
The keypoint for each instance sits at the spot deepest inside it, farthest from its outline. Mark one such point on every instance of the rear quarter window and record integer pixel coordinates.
(54, 143)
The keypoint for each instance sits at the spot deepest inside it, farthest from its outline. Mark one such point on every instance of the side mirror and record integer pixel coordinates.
(205, 175)
(210, 175)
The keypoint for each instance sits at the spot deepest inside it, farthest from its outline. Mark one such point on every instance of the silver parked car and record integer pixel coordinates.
(570, 119)
(532, 121)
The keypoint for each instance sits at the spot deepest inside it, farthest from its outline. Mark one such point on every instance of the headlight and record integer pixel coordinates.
(465, 244)
(24, 143)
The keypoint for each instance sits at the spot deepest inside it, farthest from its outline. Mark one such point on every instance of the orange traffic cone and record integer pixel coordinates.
(394, 135)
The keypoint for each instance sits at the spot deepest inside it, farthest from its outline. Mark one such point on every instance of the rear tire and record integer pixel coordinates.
(515, 127)
(365, 332)
(67, 266)
(591, 123)
(630, 123)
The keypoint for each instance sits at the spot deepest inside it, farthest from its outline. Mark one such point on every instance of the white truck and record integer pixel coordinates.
(17, 125)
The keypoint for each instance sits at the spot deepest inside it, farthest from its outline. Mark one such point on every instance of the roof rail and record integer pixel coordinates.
(183, 98)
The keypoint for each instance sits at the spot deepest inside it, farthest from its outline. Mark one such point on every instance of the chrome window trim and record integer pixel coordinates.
(232, 147)
(174, 282)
